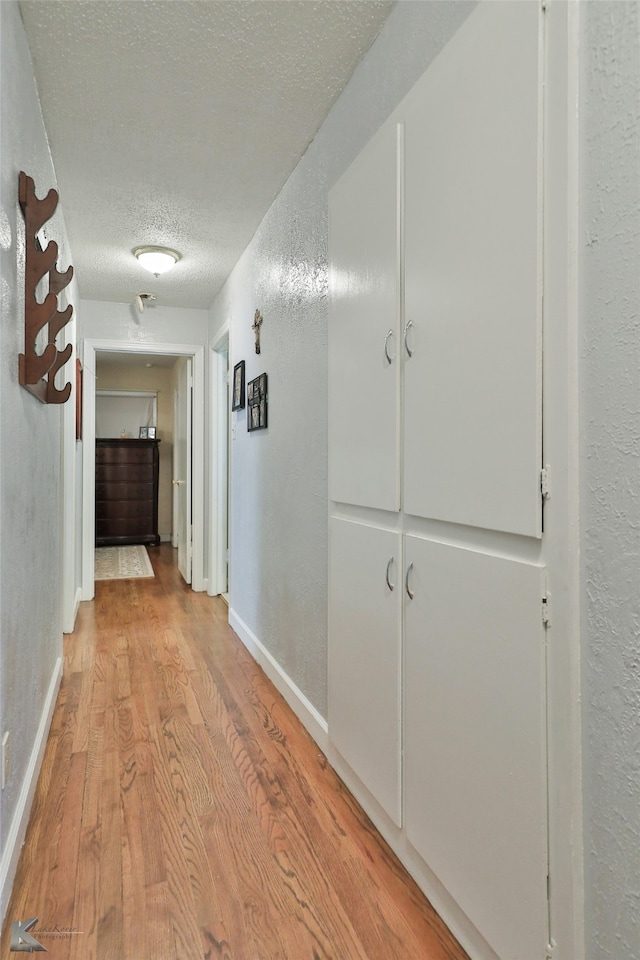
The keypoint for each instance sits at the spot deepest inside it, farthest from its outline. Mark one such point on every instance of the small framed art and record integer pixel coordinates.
(237, 402)
(144, 433)
(151, 433)
(257, 403)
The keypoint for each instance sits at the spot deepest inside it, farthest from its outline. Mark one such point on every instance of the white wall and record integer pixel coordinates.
(610, 464)
(30, 460)
(278, 522)
(103, 320)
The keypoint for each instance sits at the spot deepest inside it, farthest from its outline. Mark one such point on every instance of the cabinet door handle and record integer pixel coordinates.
(391, 586)
(406, 581)
(407, 327)
(386, 346)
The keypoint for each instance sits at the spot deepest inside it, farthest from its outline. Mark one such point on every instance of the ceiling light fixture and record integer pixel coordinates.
(156, 260)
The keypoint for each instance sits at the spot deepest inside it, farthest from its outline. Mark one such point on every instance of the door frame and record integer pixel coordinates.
(219, 459)
(183, 467)
(90, 347)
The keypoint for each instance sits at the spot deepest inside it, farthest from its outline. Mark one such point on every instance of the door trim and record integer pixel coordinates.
(219, 456)
(90, 347)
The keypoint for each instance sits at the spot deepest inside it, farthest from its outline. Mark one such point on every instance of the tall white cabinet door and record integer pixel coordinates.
(475, 744)
(363, 328)
(365, 656)
(473, 297)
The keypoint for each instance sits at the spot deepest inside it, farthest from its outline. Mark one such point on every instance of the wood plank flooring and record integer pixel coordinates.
(183, 813)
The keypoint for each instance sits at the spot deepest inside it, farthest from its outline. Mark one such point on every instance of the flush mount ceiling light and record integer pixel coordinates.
(156, 260)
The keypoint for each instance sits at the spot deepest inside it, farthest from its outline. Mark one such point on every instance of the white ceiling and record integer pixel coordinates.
(177, 122)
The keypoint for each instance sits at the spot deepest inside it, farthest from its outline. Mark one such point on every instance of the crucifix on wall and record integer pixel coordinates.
(257, 323)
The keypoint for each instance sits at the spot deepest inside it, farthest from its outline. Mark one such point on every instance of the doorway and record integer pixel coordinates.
(195, 355)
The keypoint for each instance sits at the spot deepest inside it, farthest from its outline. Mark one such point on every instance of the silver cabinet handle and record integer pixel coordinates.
(386, 346)
(406, 581)
(391, 586)
(407, 327)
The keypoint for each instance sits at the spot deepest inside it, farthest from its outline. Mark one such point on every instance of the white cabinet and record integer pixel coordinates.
(363, 346)
(475, 737)
(365, 655)
(473, 387)
(435, 454)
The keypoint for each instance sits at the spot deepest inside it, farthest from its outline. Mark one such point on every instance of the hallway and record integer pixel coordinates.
(182, 812)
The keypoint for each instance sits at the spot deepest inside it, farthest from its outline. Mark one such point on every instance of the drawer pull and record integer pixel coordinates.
(391, 586)
(407, 327)
(406, 582)
(386, 346)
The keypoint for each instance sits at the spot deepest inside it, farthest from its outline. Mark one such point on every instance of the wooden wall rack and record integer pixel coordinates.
(37, 371)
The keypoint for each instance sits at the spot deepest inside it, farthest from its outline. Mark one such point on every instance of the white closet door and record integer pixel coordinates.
(475, 744)
(473, 295)
(363, 328)
(365, 656)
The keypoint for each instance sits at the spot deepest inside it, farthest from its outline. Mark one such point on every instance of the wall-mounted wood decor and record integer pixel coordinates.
(38, 367)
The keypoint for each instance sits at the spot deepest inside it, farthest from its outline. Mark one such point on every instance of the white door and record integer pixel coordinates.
(473, 385)
(182, 465)
(364, 711)
(475, 741)
(363, 328)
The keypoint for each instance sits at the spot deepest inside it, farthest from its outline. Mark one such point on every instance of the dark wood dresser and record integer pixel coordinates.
(126, 492)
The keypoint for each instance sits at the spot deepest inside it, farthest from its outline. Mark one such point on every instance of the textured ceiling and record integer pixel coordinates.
(175, 122)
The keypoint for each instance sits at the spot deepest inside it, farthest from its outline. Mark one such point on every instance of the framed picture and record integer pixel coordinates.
(151, 433)
(237, 401)
(257, 403)
(78, 399)
(144, 433)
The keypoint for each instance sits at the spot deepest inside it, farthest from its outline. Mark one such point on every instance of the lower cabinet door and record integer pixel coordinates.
(364, 708)
(475, 737)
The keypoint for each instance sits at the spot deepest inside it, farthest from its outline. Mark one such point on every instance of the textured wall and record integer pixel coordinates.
(610, 462)
(115, 376)
(30, 436)
(278, 524)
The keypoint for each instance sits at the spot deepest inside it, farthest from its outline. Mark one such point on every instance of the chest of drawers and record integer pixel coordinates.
(126, 492)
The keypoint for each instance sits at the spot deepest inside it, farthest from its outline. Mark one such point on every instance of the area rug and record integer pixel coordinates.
(122, 563)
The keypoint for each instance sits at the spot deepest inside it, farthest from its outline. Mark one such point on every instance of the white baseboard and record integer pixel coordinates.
(18, 829)
(305, 711)
(76, 605)
(439, 898)
(70, 625)
(165, 538)
(396, 837)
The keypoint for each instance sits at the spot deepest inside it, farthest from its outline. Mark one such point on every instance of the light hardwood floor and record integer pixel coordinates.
(183, 813)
